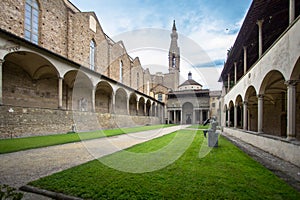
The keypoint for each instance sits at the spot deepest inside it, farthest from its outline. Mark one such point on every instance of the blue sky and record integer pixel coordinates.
(211, 24)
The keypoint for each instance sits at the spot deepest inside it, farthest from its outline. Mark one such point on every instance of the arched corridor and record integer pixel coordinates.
(103, 97)
(121, 102)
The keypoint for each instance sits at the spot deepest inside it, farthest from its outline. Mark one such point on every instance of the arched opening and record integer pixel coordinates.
(82, 92)
(153, 109)
(239, 111)
(141, 107)
(187, 113)
(251, 99)
(103, 97)
(121, 102)
(133, 104)
(148, 107)
(29, 80)
(274, 93)
(231, 114)
(296, 77)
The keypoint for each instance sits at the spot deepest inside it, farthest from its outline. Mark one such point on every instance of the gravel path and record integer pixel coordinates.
(19, 168)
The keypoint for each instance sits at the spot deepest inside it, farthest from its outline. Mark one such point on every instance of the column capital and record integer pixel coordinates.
(245, 47)
(260, 96)
(245, 103)
(260, 22)
(1, 61)
(291, 82)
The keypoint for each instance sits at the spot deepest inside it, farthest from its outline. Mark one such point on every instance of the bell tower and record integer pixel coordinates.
(174, 53)
(174, 57)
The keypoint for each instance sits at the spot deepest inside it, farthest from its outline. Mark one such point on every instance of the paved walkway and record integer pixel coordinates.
(19, 168)
(288, 172)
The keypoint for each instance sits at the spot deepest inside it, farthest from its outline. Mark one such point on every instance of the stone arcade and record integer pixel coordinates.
(261, 90)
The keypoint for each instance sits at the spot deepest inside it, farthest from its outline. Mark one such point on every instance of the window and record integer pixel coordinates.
(92, 55)
(121, 71)
(173, 61)
(31, 32)
(159, 97)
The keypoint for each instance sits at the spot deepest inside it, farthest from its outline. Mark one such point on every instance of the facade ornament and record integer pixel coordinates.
(10, 46)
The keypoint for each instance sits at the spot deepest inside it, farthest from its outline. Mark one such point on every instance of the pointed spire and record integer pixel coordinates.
(174, 26)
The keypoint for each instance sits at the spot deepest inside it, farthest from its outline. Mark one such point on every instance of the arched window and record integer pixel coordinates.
(31, 31)
(121, 71)
(173, 61)
(92, 55)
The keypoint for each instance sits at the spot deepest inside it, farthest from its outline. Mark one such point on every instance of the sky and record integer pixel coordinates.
(206, 28)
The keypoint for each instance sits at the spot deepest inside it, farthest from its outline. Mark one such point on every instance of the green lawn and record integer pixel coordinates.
(225, 173)
(18, 144)
(199, 126)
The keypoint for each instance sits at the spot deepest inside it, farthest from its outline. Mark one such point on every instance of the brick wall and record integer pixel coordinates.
(25, 121)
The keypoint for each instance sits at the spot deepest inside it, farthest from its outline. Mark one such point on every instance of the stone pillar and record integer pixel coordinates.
(235, 116)
(1, 95)
(245, 117)
(260, 113)
(127, 105)
(174, 116)
(155, 111)
(150, 110)
(292, 11)
(245, 59)
(193, 117)
(181, 115)
(260, 37)
(168, 116)
(60, 92)
(235, 72)
(291, 109)
(228, 114)
(201, 116)
(113, 106)
(93, 99)
(137, 107)
(228, 82)
(145, 109)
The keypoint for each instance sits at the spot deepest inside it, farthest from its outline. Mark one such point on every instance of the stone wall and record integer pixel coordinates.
(23, 122)
(276, 146)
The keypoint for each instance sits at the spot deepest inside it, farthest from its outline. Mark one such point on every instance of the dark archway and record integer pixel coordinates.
(133, 104)
(103, 97)
(274, 91)
(121, 102)
(187, 113)
(251, 99)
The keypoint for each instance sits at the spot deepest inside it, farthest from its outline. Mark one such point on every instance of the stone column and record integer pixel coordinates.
(193, 118)
(201, 116)
(127, 105)
(113, 106)
(93, 99)
(181, 115)
(150, 110)
(228, 88)
(174, 116)
(137, 107)
(168, 116)
(260, 37)
(145, 109)
(245, 116)
(235, 72)
(245, 59)
(60, 92)
(1, 95)
(260, 113)
(228, 113)
(235, 116)
(291, 109)
(292, 11)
